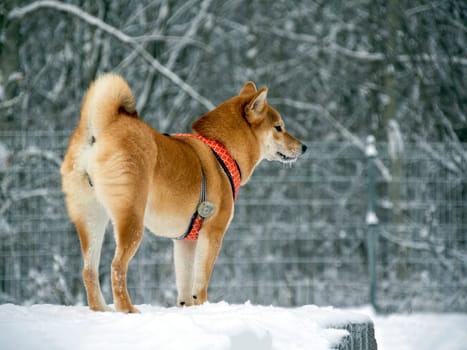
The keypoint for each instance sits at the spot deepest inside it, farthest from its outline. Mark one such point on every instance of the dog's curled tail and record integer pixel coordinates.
(108, 97)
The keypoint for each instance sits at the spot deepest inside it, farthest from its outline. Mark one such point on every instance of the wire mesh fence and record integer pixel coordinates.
(298, 235)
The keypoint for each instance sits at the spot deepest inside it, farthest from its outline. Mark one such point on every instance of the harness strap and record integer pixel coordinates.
(231, 169)
(196, 221)
(225, 159)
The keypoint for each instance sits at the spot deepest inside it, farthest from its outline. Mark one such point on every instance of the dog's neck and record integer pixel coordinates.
(221, 125)
(225, 159)
(241, 154)
(246, 158)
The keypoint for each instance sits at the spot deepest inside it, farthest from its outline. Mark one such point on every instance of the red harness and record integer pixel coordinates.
(231, 169)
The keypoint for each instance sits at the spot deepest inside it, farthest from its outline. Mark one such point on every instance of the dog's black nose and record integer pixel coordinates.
(304, 147)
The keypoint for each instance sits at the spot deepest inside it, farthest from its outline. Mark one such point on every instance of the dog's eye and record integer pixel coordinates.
(278, 128)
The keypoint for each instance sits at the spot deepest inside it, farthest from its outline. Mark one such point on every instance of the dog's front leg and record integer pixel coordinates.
(184, 256)
(207, 249)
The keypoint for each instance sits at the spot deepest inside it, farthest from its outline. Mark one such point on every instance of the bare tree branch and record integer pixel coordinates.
(11, 102)
(438, 156)
(194, 26)
(361, 55)
(19, 13)
(36, 152)
(168, 38)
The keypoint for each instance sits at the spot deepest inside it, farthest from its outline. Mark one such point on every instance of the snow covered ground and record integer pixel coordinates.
(418, 331)
(218, 326)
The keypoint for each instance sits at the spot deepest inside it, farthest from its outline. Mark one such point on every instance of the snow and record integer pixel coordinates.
(370, 149)
(4, 155)
(219, 326)
(371, 218)
(428, 331)
(210, 326)
(395, 140)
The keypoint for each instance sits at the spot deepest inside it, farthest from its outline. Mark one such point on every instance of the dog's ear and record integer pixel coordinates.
(254, 108)
(248, 89)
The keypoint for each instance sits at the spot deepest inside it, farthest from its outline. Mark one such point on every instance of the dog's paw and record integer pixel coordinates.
(130, 309)
(107, 308)
(183, 303)
(101, 308)
(199, 298)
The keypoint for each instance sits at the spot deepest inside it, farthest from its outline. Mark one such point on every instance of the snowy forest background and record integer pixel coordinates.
(337, 71)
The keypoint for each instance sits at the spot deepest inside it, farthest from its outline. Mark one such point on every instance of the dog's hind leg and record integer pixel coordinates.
(124, 194)
(90, 220)
(121, 171)
(129, 232)
(93, 232)
(184, 256)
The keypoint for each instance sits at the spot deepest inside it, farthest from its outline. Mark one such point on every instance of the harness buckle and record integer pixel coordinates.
(205, 209)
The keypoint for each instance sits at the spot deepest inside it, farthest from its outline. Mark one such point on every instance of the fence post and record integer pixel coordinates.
(371, 218)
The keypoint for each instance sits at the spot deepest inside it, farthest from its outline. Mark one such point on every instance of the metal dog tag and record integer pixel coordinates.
(205, 209)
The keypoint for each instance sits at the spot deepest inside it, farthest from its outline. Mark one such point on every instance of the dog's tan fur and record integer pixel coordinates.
(117, 167)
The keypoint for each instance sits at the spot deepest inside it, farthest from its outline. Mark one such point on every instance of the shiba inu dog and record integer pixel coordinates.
(180, 186)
